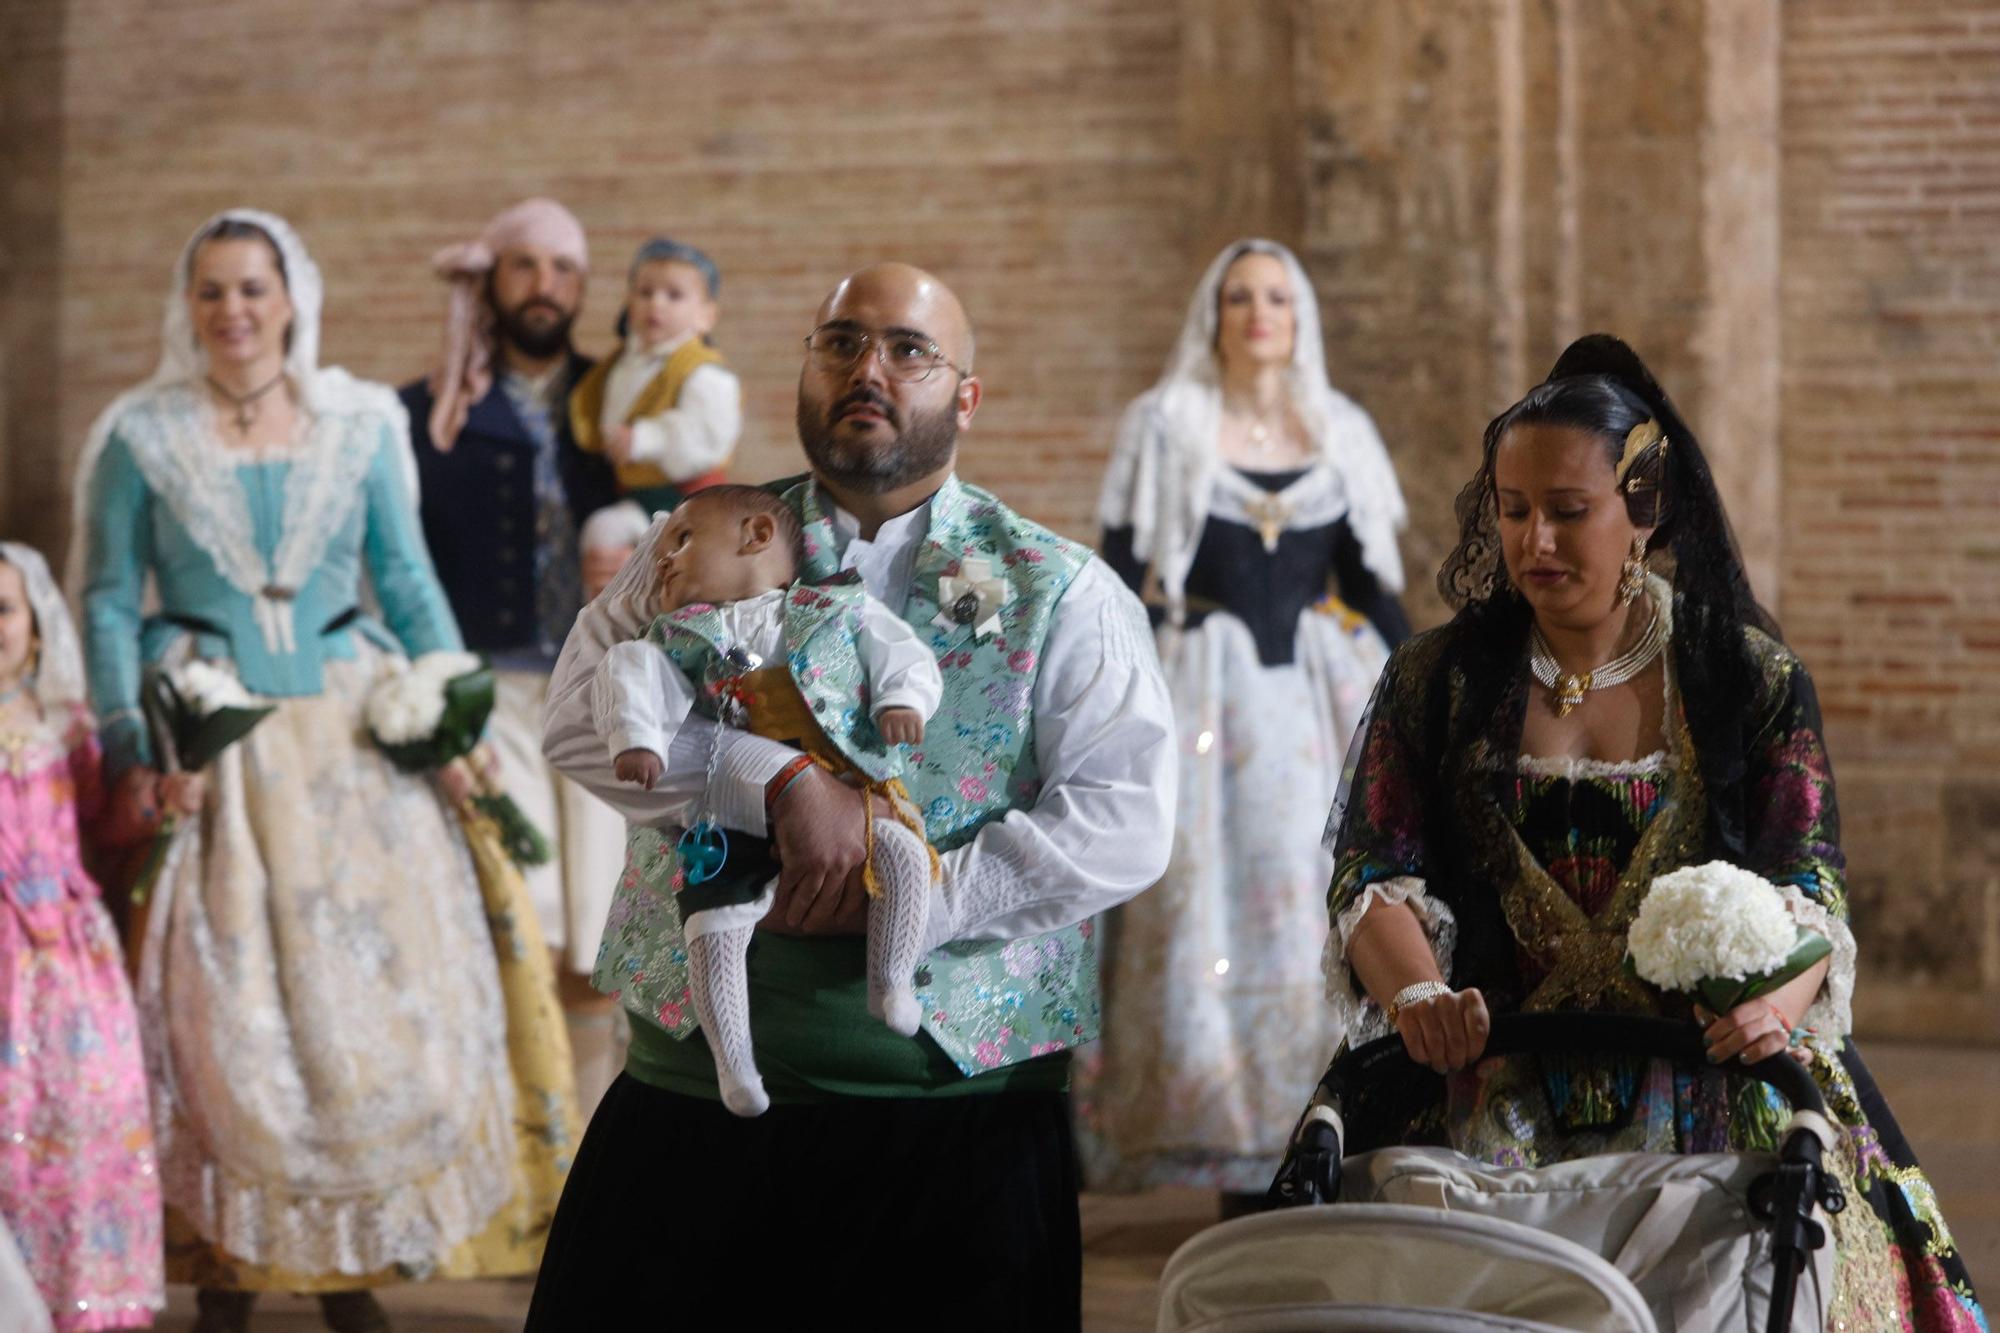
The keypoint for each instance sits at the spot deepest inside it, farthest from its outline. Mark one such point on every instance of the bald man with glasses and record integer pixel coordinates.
(893, 1177)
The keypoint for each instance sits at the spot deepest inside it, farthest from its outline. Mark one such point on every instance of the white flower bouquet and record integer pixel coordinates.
(195, 711)
(1719, 933)
(431, 713)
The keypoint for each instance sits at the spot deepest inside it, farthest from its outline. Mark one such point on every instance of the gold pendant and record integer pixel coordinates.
(1571, 693)
(1270, 514)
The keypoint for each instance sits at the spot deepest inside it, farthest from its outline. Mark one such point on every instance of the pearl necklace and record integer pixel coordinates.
(1569, 688)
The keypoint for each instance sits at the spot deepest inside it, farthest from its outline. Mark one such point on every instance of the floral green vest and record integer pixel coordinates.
(821, 625)
(987, 1003)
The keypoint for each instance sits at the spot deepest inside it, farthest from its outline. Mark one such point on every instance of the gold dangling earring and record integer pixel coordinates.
(1633, 579)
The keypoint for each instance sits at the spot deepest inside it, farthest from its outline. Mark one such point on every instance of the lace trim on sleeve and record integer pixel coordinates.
(1356, 1017)
(1831, 1014)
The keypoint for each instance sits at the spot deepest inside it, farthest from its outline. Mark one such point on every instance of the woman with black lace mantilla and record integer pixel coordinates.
(1608, 704)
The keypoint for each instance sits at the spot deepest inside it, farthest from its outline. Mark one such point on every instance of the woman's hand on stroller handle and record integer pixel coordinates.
(1392, 958)
(1447, 1032)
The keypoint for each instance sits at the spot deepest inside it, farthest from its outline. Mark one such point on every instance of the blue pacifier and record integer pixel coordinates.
(702, 850)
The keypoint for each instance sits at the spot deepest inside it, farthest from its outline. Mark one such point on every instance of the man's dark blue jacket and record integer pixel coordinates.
(479, 509)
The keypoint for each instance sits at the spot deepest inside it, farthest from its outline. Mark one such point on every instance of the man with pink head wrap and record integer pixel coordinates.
(530, 234)
(505, 492)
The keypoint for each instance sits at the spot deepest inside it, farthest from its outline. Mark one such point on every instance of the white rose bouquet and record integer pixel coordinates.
(430, 714)
(1721, 934)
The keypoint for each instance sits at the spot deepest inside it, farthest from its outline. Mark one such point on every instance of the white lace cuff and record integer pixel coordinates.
(1831, 1014)
(1356, 1017)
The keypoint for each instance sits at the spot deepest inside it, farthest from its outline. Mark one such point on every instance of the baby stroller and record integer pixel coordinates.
(1426, 1239)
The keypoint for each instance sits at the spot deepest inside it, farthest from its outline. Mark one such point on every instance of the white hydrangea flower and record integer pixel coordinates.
(206, 687)
(445, 665)
(1715, 921)
(405, 707)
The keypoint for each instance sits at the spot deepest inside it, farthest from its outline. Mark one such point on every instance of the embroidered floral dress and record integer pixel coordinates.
(78, 1182)
(1526, 873)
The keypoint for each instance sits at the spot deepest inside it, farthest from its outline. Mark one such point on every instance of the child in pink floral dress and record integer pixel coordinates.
(77, 1180)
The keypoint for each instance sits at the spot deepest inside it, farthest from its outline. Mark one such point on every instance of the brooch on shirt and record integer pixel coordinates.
(973, 596)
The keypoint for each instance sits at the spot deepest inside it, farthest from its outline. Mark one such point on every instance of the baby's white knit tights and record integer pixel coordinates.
(719, 979)
(898, 925)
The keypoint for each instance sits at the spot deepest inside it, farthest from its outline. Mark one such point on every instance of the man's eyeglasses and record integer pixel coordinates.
(906, 356)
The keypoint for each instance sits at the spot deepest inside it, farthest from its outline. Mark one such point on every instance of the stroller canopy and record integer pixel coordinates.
(1374, 1266)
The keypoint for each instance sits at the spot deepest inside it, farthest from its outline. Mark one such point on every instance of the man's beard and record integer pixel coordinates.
(923, 446)
(535, 341)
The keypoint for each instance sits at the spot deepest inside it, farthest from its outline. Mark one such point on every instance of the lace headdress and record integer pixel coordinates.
(59, 670)
(1162, 492)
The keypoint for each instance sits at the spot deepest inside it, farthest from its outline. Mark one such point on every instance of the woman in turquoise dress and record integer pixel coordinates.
(319, 991)
(1608, 704)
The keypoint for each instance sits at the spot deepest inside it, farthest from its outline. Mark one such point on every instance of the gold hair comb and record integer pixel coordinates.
(1637, 441)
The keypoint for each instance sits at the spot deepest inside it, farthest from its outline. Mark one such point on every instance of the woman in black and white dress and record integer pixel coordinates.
(1255, 509)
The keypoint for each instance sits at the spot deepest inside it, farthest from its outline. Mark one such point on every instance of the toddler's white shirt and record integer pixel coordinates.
(697, 434)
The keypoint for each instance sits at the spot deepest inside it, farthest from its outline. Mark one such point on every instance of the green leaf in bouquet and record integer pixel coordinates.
(468, 702)
(208, 736)
(1721, 994)
(164, 710)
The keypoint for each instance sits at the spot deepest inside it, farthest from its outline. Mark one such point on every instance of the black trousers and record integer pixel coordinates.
(679, 1215)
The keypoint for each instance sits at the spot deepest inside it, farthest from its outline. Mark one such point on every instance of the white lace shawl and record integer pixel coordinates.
(163, 422)
(1165, 461)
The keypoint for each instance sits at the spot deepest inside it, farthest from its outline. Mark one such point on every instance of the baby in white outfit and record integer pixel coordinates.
(758, 645)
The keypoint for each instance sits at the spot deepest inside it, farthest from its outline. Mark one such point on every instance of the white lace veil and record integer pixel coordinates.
(59, 673)
(182, 361)
(1163, 467)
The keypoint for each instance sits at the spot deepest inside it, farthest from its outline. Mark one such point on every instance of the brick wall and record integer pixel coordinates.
(1891, 474)
(1028, 154)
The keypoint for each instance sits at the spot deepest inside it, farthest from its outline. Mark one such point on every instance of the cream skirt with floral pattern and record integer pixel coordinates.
(324, 1027)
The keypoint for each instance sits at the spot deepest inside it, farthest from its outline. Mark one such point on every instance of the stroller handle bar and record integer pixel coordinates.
(1550, 1033)
(1311, 1170)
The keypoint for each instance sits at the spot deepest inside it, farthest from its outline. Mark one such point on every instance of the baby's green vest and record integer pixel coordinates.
(822, 628)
